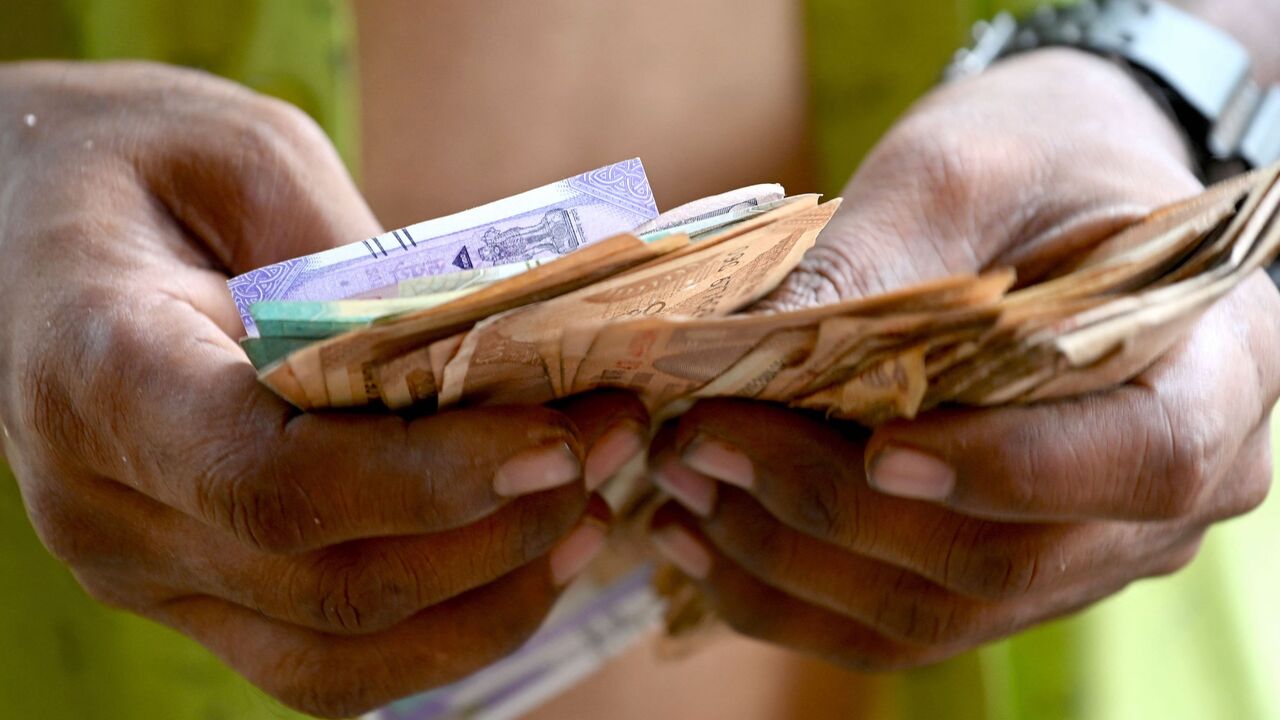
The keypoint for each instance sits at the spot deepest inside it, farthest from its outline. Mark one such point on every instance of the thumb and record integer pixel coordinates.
(1001, 173)
(892, 232)
(256, 182)
(863, 251)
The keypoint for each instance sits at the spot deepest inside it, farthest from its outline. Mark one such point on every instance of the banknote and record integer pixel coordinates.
(341, 369)
(724, 277)
(549, 221)
(734, 202)
(623, 313)
(263, 351)
(349, 367)
(322, 318)
(500, 360)
(318, 319)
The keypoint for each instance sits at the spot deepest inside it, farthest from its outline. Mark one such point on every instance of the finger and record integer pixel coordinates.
(897, 603)
(254, 179)
(695, 491)
(1156, 448)
(757, 610)
(358, 587)
(205, 437)
(905, 625)
(369, 586)
(1245, 486)
(905, 606)
(343, 676)
(938, 197)
(808, 474)
(613, 426)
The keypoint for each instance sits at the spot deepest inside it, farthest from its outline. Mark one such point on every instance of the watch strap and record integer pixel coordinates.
(1206, 72)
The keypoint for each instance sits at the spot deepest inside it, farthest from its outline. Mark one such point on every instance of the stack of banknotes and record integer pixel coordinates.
(582, 284)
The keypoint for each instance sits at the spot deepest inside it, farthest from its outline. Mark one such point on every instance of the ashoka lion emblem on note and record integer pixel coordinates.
(556, 234)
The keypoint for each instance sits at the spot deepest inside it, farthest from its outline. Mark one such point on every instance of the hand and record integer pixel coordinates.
(339, 561)
(900, 547)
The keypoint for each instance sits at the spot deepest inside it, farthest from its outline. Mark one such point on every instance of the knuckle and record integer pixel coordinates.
(290, 124)
(113, 354)
(822, 508)
(64, 544)
(363, 593)
(261, 143)
(116, 593)
(984, 565)
(536, 529)
(1256, 488)
(924, 618)
(882, 658)
(1023, 466)
(768, 552)
(843, 265)
(1179, 557)
(320, 682)
(1193, 453)
(549, 422)
(268, 510)
(45, 400)
(59, 527)
(68, 365)
(1248, 483)
(266, 146)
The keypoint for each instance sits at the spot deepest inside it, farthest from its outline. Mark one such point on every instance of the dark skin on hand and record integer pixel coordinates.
(901, 546)
(339, 561)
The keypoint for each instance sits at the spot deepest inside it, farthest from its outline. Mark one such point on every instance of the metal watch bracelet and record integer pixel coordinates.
(1202, 72)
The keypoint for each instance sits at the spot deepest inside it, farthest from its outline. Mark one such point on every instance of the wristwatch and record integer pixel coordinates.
(1198, 72)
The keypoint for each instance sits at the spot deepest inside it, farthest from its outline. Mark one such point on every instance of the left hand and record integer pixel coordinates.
(925, 538)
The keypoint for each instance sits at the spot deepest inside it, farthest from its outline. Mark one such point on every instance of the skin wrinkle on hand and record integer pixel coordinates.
(339, 506)
(1031, 534)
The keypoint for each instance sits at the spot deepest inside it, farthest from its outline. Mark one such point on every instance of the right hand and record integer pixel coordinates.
(338, 561)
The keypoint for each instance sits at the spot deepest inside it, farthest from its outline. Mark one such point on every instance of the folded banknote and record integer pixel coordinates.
(659, 313)
(549, 221)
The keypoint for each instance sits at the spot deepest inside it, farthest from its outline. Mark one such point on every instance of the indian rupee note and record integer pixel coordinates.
(549, 221)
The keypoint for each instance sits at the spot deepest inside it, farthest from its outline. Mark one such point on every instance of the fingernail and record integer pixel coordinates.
(613, 450)
(720, 460)
(911, 474)
(536, 470)
(683, 550)
(575, 552)
(689, 487)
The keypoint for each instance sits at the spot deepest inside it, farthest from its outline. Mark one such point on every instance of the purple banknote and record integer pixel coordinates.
(547, 222)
